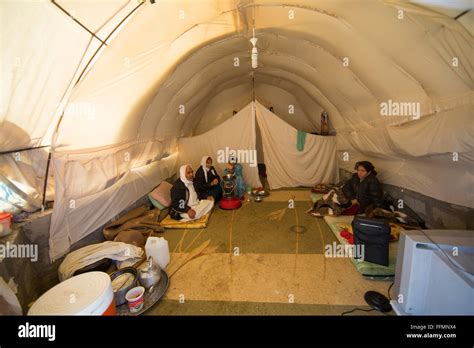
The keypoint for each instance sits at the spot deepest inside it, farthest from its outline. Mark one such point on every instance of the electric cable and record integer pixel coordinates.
(388, 291)
(357, 309)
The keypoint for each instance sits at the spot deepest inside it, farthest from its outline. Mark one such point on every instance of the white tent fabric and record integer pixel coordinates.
(288, 167)
(178, 68)
(236, 134)
(90, 192)
(22, 181)
(42, 54)
(433, 155)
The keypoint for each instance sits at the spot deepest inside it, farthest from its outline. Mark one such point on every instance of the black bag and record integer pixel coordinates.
(374, 234)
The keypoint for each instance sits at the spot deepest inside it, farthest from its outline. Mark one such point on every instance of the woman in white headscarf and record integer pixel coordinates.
(186, 202)
(207, 181)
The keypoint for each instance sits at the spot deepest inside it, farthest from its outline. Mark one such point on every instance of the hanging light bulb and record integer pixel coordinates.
(254, 55)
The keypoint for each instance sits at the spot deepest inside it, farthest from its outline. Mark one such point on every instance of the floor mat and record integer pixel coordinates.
(168, 222)
(367, 269)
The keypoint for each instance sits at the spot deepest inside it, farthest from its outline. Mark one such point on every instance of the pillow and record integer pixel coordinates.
(162, 193)
(155, 203)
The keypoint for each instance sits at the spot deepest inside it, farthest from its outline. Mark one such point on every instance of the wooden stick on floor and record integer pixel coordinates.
(323, 244)
(197, 236)
(297, 234)
(180, 243)
(181, 253)
(192, 255)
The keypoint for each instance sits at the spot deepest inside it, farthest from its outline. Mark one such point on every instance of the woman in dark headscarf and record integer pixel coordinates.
(364, 189)
(207, 180)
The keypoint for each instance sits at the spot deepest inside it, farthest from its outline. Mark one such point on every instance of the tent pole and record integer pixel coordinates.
(24, 149)
(103, 43)
(461, 14)
(93, 56)
(43, 205)
(75, 20)
(253, 23)
(77, 81)
(253, 86)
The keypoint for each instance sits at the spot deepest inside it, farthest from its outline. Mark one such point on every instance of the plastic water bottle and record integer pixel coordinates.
(157, 248)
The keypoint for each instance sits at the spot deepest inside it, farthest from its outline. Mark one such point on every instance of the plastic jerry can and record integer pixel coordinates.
(157, 248)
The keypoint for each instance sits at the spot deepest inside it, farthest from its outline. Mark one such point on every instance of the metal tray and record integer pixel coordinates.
(150, 299)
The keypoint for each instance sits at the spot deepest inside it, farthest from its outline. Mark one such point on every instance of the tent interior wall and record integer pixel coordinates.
(113, 93)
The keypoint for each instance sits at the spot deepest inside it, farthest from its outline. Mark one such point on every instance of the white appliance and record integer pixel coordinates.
(434, 273)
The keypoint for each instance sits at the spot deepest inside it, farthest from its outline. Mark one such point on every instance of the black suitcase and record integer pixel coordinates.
(374, 234)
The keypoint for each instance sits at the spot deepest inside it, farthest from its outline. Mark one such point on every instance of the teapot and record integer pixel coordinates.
(150, 274)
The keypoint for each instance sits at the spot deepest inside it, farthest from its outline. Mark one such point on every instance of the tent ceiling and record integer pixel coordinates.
(224, 103)
(194, 62)
(311, 66)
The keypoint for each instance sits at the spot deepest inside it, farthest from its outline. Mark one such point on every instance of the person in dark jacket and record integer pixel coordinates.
(187, 203)
(207, 181)
(364, 189)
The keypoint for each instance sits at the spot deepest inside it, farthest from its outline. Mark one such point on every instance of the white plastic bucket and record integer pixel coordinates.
(89, 293)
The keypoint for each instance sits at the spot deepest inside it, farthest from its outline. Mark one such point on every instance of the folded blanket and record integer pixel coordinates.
(90, 254)
(139, 220)
(332, 203)
(395, 216)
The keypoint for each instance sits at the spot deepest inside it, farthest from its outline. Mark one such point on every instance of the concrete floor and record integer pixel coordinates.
(262, 259)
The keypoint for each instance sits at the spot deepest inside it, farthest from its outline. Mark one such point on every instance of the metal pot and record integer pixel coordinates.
(150, 274)
(228, 177)
(261, 193)
(120, 286)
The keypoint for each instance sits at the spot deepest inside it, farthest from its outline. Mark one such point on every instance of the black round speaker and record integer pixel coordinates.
(377, 301)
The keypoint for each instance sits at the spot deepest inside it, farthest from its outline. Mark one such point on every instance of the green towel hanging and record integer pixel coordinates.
(300, 140)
